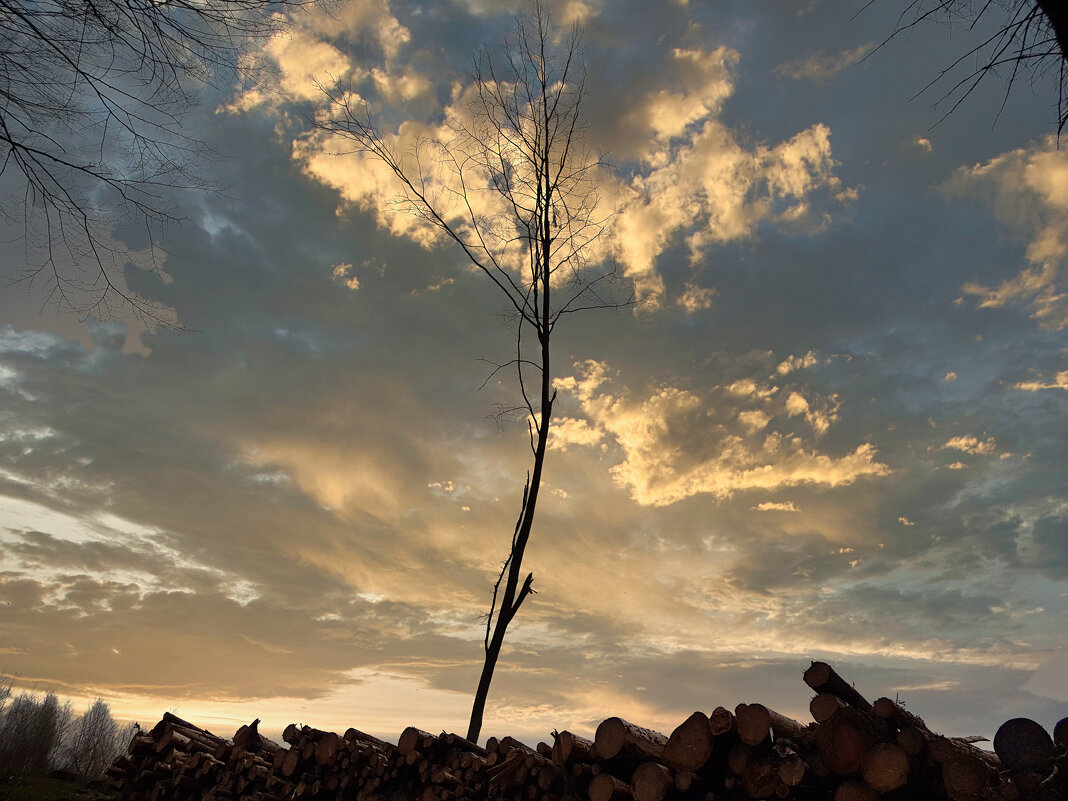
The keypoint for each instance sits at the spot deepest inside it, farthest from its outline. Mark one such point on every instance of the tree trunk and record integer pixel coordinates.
(509, 604)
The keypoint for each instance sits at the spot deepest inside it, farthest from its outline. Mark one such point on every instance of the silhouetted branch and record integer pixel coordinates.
(1033, 37)
(92, 95)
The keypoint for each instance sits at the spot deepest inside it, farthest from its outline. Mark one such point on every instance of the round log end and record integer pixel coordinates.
(608, 739)
(1023, 743)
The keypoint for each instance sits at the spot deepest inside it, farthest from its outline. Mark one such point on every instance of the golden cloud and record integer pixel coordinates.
(675, 443)
(1028, 191)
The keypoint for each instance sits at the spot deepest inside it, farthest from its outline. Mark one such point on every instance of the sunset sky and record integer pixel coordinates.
(837, 430)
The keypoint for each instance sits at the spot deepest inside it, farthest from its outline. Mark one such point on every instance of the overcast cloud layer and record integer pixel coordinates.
(836, 430)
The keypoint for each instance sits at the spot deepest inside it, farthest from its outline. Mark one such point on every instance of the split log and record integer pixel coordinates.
(690, 745)
(1023, 743)
(821, 677)
(721, 722)
(249, 738)
(568, 748)
(756, 722)
(618, 737)
(886, 767)
(651, 782)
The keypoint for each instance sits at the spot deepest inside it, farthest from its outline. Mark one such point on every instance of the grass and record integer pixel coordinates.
(52, 786)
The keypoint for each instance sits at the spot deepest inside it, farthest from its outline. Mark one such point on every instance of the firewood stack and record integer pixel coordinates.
(852, 751)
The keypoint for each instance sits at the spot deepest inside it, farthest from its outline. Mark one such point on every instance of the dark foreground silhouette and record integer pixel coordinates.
(853, 750)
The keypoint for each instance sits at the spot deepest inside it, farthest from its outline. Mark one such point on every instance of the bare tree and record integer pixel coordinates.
(32, 729)
(516, 188)
(93, 741)
(1031, 39)
(92, 95)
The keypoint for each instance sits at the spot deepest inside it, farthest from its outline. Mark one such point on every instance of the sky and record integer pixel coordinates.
(834, 431)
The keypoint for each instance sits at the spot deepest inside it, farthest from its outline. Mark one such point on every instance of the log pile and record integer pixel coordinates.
(852, 751)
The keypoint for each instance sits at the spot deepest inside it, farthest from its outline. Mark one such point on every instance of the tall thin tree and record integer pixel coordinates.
(515, 186)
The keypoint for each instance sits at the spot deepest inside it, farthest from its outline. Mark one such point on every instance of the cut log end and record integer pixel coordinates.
(1023, 743)
(690, 745)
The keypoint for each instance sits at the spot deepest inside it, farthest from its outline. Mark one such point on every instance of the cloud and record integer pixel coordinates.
(711, 190)
(343, 274)
(1027, 190)
(972, 445)
(694, 298)
(568, 431)
(686, 177)
(676, 443)
(1060, 381)
(776, 506)
(792, 363)
(821, 67)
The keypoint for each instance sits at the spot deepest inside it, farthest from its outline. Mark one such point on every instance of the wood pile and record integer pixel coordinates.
(852, 751)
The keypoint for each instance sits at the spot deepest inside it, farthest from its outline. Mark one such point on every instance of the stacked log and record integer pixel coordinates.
(852, 751)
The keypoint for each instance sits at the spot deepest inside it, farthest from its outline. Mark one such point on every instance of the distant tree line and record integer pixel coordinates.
(40, 732)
